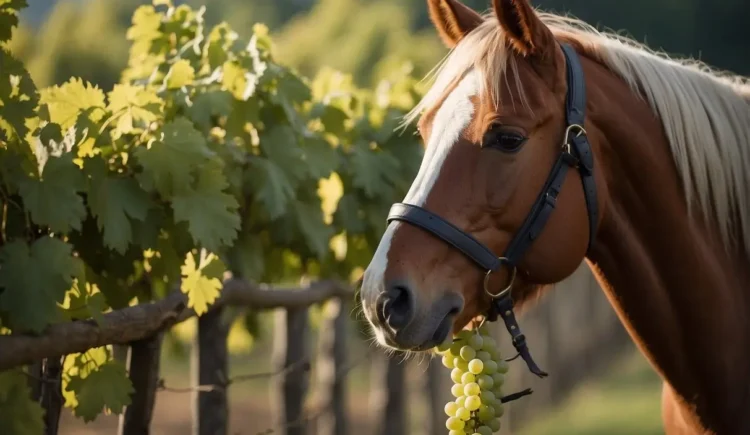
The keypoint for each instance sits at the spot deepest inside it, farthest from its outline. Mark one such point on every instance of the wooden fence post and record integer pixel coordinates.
(388, 395)
(436, 400)
(291, 349)
(46, 390)
(330, 362)
(209, 367)
(143, 361)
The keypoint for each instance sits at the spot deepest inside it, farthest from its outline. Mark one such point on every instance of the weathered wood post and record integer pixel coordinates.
(209, 367)
(388, 395)
(46, 389)
(330, 363)
(291, 350)
(142, 362)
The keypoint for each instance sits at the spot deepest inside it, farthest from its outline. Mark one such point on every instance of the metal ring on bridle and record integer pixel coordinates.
(504, 291)
(566, 138)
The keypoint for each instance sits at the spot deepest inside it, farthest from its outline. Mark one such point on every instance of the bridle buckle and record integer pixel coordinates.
(507, 288)
(578, 129)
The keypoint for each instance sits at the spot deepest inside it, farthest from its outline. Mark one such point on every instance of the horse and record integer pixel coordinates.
(656, 200)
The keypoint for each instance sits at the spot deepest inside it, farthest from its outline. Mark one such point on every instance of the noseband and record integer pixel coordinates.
(575, 153)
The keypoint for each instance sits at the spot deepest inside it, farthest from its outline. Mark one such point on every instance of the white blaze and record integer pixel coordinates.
(450, 121)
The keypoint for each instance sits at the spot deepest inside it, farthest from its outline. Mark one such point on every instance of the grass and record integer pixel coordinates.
(627, 401)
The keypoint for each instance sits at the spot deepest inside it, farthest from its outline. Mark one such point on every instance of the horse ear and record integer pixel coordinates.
(453, 20)
(526, 32)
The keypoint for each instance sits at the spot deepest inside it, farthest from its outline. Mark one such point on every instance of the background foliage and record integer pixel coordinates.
(206, 155)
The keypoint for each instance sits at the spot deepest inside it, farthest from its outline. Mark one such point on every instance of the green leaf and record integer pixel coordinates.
(105, 388)
(20, 415)
(53, 199)
(348, 215)
(280, 145)
(211, 213)
(135, 108)
(201, 280)
(247, 256)
(320, 158)
(18, 95)
(333, 118)
(273, 188)
(316, 233)
(35, 278)
(373, 171)
(167, 163)
(206, 105)
(9, 10)
(68, 101)
(112, 201)
(180, 74)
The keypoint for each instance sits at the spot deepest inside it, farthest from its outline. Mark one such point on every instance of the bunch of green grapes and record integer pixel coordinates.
(478, 374)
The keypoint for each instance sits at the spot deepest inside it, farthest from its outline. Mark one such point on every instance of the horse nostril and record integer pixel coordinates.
(396, 307)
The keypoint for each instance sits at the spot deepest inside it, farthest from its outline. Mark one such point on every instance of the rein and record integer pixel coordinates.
(575, 153)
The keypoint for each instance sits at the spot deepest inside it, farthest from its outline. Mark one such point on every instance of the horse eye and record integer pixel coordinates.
(506, 141)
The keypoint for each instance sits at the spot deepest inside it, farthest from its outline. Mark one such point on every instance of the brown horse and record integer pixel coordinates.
(671, 148)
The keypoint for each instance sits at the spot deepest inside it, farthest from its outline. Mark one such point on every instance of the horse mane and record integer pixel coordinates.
(705, 112)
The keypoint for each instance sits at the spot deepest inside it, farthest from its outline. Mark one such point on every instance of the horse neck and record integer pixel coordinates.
(680, 294)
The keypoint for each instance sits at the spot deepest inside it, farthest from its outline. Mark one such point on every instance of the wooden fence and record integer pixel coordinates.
(572, 331)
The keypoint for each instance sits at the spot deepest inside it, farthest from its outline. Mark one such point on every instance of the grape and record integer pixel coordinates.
(485, 413)
(485, 382)
(494, 424)
(448, 361)
(473, 403)
(463, 413)
(468, 353)
(484, 355)
(476, 341)
(457, 391)
(472, 389)
(478, 373)
(498, 379)
(467, 378)
(476, 366)
(450, 409)
(456, 375)
(454, 423)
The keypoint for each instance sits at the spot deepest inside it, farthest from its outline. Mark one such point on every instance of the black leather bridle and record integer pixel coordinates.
(575, 153)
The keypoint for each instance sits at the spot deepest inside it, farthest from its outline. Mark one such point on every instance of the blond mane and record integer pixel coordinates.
(704, 112)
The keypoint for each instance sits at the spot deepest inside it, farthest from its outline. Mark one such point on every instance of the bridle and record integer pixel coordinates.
(575, 153)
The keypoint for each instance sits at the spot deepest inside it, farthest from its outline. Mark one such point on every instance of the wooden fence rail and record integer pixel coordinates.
(572, 331)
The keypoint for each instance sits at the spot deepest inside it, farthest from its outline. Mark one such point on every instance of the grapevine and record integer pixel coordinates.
(209, 156)
(478, 374)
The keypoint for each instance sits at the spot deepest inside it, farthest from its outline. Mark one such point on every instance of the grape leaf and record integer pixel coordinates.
(320, 157)
(348, 215)
(209, 104)
(316, 233)
(68, 101)
(20, 415)
(107, 387)
(201, 281)
(179, 75)
(9, 10)
(53, 199)
(112, 201)
(133, 105)
(18, 95)
(247, 256)
(144, 31)
(280, 144)
(167, 163)
(35, 278)
(374, 172)
(272, 187)
(211, 214)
